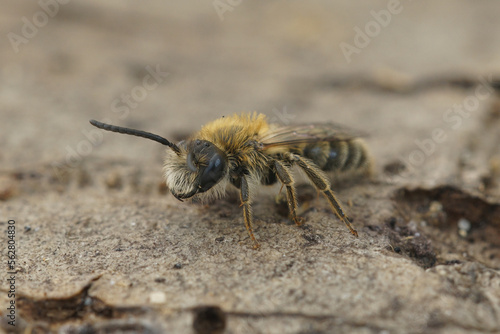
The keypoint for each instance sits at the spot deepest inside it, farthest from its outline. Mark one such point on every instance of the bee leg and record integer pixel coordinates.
(247, 209)
(317, 177)
(286, 179)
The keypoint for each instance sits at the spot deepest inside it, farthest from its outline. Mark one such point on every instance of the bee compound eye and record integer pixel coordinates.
(213, 172)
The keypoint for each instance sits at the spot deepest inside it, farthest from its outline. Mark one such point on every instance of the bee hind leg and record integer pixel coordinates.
(247, 209)
(286, 179)
(319, 180)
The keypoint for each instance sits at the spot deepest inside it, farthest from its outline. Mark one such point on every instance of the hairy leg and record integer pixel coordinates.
(247, 209)
(286, 179)
(319, 180)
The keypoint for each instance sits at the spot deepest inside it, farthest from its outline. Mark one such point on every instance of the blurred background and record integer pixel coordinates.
(374, 65)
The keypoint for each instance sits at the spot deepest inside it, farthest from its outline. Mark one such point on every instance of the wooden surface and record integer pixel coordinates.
(103, 246)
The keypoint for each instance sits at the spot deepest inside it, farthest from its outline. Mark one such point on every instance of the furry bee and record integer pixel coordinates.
(244, 150)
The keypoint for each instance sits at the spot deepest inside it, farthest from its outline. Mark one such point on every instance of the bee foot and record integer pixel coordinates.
(299, 220)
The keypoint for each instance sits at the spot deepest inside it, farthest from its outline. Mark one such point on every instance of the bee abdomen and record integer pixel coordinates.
(339, 156)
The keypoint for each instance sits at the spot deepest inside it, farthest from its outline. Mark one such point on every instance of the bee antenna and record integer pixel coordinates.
(134, 132)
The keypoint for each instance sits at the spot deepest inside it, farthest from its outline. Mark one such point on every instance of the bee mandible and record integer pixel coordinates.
(244, 150)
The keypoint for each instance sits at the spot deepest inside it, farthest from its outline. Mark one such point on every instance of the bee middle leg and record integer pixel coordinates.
(320, 181)
(247, 209)
(286, 179)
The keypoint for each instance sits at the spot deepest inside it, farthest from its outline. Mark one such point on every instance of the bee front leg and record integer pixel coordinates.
(286, 178)
(319, 180)
(247, 209)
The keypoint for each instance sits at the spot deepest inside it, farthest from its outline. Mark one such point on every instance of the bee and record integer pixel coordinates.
(244, 150)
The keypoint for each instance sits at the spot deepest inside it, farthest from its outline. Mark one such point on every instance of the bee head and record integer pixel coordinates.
(191, 167)
(198, 168)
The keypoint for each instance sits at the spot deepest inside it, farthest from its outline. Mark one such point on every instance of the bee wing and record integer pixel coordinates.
(308, 133)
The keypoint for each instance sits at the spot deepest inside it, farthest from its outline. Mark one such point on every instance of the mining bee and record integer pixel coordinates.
(244, 150)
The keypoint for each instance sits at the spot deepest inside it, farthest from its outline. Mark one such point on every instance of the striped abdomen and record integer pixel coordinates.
(339, 156)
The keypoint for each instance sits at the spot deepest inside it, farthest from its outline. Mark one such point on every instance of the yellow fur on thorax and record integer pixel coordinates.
(230, 133)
